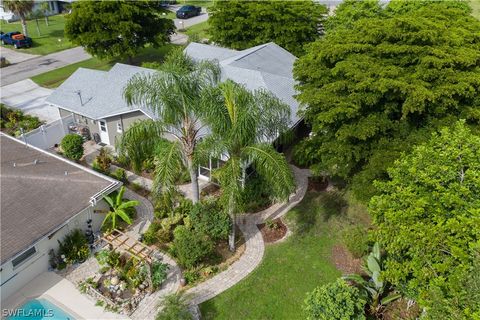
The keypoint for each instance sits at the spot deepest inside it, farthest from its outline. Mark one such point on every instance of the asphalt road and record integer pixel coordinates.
(31, 67)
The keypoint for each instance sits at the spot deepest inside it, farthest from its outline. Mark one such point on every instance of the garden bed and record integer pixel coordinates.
(273, 230)
(317, 184)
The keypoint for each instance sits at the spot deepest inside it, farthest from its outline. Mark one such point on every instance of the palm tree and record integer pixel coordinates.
(20, 8)
(45, 7)
(243, 126)
(118, 208)
(174, 94)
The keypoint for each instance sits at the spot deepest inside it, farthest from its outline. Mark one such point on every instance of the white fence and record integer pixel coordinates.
(46, 136)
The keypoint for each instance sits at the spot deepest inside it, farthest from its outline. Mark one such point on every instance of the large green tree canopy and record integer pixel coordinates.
(108, 29)
(381, 85)
(428, 212)
(243, 24)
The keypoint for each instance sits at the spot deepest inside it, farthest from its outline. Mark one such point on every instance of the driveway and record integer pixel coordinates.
(15, 56)
(29, 68)
(27, 96)
(185, 23)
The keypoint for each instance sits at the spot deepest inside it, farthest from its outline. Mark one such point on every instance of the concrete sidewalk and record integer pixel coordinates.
(27, 96)
(29, 68)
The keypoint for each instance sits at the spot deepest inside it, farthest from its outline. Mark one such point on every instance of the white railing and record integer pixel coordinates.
(46, 136)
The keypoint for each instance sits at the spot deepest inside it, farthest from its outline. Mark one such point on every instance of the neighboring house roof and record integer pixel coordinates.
(97, 94)
(267, 66)
(40, 193)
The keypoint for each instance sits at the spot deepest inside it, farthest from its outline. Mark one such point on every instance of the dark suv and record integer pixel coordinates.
(186, 12)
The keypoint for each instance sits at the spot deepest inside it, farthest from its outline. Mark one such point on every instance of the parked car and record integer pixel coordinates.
(186, 12)
(16, 38)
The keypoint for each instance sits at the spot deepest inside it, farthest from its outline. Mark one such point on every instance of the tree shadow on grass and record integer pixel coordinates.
(317, 206)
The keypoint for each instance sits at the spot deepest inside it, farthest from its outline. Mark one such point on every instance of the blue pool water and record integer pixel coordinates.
(39, 309)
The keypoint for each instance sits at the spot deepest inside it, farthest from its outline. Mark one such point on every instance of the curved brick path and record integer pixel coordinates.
(255, 246)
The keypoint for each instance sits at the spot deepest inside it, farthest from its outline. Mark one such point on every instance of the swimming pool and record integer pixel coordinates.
(39, 309)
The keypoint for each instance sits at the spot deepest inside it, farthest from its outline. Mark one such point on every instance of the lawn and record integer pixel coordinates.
(54, 78)
(290, 269)
(50, 40)
(199, 30)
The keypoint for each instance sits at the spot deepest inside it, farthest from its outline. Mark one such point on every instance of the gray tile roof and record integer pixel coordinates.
(38, 198)
(266, 66)
(97, 94)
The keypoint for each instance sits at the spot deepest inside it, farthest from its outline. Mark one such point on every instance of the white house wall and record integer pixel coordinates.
(12, 279)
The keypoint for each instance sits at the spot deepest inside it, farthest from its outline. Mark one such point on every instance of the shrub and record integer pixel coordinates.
(190, 246)
(333, 301)
(270, 224)
(104, 160)
(210, 219)
(175, 307)
(74, 247)
(355, 238)
(159, 274)
(256, 195)
(120, 175)
(191, 275)
(150, 236)
(72, 146)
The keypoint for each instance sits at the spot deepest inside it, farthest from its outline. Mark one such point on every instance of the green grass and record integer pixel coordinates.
(50, 40)
(290, 269)
(200, 29)
(198, 3)
(54, 78)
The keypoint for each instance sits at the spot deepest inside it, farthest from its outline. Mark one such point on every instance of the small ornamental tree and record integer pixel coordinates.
(335, 301)
(72, 146)
(428, 214)
(243, 24)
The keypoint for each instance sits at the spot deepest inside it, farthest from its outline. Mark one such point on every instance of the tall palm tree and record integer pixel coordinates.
(174, 94)
(20, 8)
(118, 208)
(243, 126)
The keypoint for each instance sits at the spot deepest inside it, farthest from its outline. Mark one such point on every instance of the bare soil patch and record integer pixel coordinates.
(274, 231)
(344, 261)
(317, 184)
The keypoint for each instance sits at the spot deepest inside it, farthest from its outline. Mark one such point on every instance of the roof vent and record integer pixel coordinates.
(66, 173)
(14, 164)
(35, 161)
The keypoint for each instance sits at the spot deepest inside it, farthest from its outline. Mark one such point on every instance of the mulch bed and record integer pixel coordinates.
(317, 184)
(273, 234)
(345, 262)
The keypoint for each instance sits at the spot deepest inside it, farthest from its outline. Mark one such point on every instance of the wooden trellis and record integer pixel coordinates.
(124, 243)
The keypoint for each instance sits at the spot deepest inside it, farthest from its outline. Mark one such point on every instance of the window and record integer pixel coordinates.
(24, 256)
(119, 127)
(103, 126)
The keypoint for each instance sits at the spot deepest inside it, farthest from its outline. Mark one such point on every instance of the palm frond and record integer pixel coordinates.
(168, 165)
(139, 140)
(274, 116)
(273, 167)
(229, 177)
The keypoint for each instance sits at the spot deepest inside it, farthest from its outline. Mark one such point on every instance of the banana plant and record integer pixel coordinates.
(118, 208)
(374, 288)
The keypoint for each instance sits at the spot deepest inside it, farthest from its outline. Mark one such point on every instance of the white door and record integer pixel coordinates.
(102, 125)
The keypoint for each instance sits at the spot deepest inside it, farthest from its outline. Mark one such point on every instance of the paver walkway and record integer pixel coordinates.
(148, 307)
(255, 245)
(251, 258)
